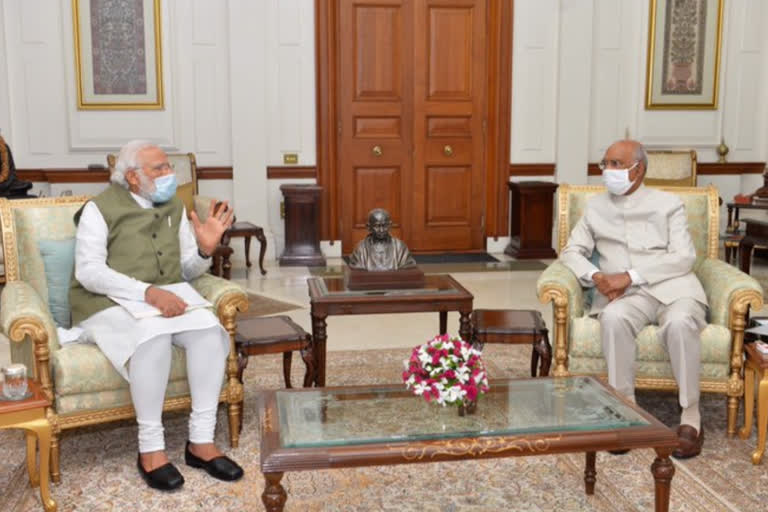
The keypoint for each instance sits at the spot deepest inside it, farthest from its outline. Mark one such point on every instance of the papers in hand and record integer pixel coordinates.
(141, 309)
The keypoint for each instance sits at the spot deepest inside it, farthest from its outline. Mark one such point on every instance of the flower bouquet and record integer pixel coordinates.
(448, 371)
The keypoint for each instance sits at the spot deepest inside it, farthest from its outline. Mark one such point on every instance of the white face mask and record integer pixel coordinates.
(617, 180)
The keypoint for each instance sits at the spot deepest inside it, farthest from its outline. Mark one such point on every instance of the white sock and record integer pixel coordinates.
(691, 416)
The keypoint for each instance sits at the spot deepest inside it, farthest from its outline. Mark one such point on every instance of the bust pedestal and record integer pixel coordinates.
(302, 226)
(530, 226)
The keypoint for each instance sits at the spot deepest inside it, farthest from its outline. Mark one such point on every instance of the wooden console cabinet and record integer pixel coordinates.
(302, 226)
(531, 215)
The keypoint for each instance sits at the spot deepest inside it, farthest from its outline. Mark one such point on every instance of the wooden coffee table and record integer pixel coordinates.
(328, 296)
(29, 415)
(382, 425)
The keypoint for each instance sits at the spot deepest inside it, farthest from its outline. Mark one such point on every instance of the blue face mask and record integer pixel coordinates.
(165, 188)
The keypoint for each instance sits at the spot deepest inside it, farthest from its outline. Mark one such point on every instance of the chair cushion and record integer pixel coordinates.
(83, 368)
(58, 260)
(186, 193)
(651, 353)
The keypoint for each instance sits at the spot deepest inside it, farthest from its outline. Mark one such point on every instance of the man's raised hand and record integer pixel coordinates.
(209, 233)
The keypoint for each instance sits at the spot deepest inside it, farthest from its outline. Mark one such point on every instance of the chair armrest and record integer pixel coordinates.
(727, 289)
(25, 318)
(557, 279)
(227, 297)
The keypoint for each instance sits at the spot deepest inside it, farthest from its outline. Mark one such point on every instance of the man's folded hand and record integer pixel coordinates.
(168, 303)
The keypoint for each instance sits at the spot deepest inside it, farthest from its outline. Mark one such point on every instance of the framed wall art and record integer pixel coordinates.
(118, 57)
(684, 39)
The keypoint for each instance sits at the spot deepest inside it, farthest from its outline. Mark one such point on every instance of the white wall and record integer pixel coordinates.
(239, 90)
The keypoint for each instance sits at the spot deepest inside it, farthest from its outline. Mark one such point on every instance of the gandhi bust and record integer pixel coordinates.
(380, 251)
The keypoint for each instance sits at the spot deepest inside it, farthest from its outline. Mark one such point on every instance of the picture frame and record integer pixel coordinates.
(118, 54)
(683, 62)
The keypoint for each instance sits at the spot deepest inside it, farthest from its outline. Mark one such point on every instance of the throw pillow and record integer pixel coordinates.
(59, 261)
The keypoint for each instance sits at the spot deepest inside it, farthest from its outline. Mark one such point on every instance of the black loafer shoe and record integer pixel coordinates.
(164, 478)
(618, 452)
(221, 467)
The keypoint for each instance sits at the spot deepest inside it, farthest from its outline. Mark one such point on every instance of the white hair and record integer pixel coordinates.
(128, 159)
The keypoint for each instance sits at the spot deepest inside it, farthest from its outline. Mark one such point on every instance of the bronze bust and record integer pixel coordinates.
(380, 251)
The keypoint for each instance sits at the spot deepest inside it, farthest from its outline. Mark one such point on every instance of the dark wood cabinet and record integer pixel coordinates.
(531, 217)
(302, 226)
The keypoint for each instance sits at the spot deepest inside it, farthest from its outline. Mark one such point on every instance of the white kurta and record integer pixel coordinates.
(114, 330)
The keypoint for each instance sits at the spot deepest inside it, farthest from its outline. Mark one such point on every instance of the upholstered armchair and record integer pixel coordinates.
(80, 382)
(730, 294)
(671, 168)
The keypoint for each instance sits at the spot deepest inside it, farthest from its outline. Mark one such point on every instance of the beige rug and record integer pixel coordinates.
(99, 473)
(259, 305)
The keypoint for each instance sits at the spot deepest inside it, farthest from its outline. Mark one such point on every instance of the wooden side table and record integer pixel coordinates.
(756, 363)
(531, 219)
(513, 326)
(29, 415)
(302, 226)
(247, 230)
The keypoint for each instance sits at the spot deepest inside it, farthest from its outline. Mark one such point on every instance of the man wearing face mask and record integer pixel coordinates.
(642, 275)
(132, 238)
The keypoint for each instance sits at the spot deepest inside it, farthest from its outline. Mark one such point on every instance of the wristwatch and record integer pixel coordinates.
(202, 254)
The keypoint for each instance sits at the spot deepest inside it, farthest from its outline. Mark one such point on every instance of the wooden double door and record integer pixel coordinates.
(411, 103)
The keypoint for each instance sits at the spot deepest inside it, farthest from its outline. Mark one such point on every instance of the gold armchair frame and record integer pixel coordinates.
(739, 305)
(31, 327)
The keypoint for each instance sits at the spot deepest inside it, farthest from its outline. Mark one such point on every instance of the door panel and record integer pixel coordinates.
(411, 112)
(376, 120)
(449, 111)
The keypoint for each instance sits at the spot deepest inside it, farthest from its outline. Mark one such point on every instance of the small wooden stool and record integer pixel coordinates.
(756, 363)
(247, 230)
(274, 335)
(514, 326)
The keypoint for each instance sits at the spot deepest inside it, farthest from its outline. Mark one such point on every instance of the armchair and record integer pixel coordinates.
(80, 382)
(730, 293)
(671, 168)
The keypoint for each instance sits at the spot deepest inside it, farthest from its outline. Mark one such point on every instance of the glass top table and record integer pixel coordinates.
(306, 429)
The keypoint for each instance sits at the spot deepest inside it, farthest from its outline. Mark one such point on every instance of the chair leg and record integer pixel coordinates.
(248, 251)
(287, 357)
(55, 468)
(235, 411)
(242, 364)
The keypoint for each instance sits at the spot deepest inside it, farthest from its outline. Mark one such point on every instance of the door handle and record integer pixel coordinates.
(448, 150)
(377, 151)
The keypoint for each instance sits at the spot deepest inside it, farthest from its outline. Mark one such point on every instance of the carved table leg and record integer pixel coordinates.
(762, 417)
(308, 356)
(319, 336)
(262, 250)
(41, 430)
(247, 241)
(745, 254)
(544, 350)
(590, 474)
(663, 470)
(749, 400)
(443, 322)
(465, 326)
(287, 357)
(274, 495)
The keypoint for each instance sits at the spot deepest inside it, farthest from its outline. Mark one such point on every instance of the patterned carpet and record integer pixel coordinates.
(99, 474)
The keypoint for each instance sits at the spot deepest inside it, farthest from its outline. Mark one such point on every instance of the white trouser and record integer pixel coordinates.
(680, 325)
(148, 371)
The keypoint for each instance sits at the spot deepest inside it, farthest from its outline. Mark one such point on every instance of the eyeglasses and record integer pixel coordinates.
(615, 164)
(165, 166)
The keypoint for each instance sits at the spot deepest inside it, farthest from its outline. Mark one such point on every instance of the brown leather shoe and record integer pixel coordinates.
(690, 442)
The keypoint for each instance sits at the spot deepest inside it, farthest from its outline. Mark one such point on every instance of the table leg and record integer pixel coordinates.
(544, 350)
(319, 336)
(34, 476)
(762, 417)
(42, 430)
(590, 474)
(308, 356)
(443, 322)
(749, 400)
(465, 326)
(745, 254)
(663, 470)
(262, 249)
(274, 495)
